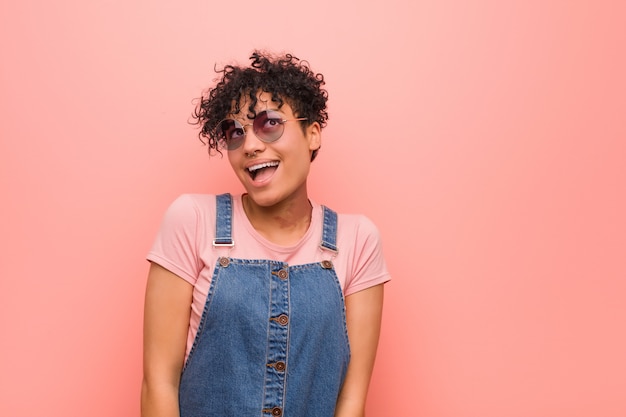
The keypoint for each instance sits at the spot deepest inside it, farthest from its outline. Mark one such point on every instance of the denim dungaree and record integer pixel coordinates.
(272, 339)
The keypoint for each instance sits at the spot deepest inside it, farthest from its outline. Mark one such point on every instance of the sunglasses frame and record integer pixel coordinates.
(228, 145)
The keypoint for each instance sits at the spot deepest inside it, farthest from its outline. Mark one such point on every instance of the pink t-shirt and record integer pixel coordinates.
(184, 246)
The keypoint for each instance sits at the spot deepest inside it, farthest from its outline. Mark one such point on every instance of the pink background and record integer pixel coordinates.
(485, 138)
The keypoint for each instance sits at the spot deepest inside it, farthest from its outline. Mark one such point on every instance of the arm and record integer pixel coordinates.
(363, 316)
(166, 323)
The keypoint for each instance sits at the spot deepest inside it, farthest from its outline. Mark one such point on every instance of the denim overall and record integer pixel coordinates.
(272, 339)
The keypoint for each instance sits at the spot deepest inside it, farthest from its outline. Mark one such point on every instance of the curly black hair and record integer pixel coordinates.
(285, 77)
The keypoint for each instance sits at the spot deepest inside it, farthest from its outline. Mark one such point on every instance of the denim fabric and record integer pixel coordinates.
(272, 340)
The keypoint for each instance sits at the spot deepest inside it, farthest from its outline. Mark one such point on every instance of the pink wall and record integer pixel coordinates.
(485, 138)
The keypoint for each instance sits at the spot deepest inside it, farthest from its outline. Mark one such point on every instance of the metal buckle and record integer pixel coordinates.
(231, 244)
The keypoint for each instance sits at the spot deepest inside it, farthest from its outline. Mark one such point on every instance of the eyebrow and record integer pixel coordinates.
(232, 115)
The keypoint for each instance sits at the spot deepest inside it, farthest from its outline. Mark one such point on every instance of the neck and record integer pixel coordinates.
(284, 223)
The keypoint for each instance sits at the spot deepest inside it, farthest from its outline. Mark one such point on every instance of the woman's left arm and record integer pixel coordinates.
(363, 316)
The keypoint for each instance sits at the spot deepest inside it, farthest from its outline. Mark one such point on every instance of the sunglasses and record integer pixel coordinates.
(268, 126)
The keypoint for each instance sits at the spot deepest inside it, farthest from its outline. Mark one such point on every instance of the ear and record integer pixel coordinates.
(314, 135)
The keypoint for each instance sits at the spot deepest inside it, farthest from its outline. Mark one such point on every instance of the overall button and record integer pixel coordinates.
(326, 264)
(224, 262)
(282, 274)
(276, 411)
(280, 366)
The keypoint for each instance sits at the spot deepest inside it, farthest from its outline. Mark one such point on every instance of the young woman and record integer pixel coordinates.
(266, 303)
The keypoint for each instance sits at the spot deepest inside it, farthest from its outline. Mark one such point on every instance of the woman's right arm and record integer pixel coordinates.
(166, 324)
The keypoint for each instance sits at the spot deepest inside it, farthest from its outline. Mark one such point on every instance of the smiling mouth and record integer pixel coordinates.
(263, 171)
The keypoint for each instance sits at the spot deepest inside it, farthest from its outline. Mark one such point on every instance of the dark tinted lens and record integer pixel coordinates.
(230, 134)
(268, 126)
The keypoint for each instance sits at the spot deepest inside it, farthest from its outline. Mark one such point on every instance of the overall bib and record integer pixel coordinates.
(272, 340)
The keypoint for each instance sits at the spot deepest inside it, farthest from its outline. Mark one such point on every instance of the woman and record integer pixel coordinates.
(264, 303)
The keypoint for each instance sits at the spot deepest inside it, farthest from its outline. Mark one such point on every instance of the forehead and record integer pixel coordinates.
(263, 102)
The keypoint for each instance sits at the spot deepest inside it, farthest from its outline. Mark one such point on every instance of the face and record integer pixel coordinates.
(274, 173)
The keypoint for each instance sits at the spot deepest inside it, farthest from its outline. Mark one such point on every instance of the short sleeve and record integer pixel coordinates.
(368, 266)
(176, 245)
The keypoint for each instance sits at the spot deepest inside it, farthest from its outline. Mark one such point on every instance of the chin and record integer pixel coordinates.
(263, 201)
(265, 198)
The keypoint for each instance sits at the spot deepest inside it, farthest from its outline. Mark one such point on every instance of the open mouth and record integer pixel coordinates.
(262, 171)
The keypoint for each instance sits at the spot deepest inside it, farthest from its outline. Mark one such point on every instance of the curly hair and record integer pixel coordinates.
(287, 78)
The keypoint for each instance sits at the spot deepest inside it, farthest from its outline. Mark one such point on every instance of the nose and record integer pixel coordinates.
(251, 143)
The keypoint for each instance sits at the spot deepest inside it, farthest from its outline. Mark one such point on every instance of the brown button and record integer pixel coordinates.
(224, 262)
(326, 264)
(277, 411)
(283, 319)
(280, 366)
(282, 274)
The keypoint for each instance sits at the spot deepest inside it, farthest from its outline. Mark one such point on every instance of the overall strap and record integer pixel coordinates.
(329, 232)
(223, 221)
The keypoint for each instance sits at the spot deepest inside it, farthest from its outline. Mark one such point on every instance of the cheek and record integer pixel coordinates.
(232, 158)
(302, 160)
(235, 162)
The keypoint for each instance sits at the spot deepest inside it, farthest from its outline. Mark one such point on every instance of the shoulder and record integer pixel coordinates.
(360, 252)
(356, 232)
(357, 225)
(190, 208)
(187, 204)
(193, 202)
(351, 224)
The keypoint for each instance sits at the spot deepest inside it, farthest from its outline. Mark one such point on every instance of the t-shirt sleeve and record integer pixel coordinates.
(368, 264)
(176, 245)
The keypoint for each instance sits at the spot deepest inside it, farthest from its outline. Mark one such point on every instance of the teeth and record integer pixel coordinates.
(263, 165)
